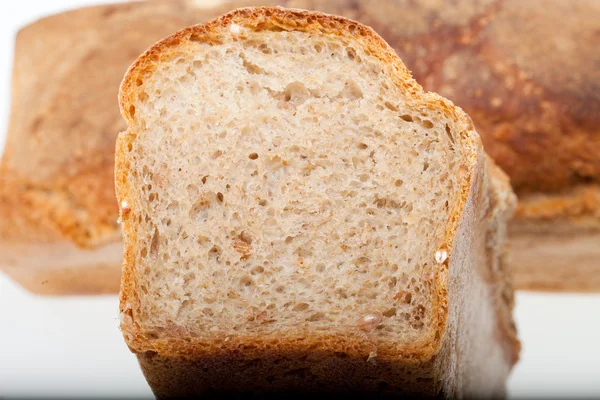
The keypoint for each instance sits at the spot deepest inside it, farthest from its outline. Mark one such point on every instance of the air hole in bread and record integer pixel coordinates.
(449, 134)
(351, 53)
(427, 124)
(318, 316)
(264, 48)
(300, 307)
(192, 191)
(351, 91)
(155, 242)
(251, 67)
(259, 269)
(341, 293)
(246, 281)
(215, 251)
(143, 97)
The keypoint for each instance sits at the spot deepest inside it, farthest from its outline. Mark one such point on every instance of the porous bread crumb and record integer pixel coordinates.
(286, 181)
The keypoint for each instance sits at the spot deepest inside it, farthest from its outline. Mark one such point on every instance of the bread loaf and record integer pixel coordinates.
(299, 215)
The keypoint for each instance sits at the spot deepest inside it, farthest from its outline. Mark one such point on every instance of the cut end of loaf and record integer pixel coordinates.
(284, 176)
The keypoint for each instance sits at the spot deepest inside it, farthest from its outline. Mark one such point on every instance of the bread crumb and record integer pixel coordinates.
(125, 207)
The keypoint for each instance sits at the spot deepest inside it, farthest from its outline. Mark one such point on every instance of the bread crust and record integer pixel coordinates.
(180, 365)
(57, 170)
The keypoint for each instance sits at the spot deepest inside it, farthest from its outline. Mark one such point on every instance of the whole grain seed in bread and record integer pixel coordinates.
(303, 217)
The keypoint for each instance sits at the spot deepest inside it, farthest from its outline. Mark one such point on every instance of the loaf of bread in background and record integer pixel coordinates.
(299, 216)
(526, 72)
(58, 213)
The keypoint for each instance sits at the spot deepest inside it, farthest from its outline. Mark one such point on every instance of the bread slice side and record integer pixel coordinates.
(286, 188)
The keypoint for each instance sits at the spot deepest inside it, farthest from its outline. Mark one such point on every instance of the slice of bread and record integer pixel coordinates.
(299, 215)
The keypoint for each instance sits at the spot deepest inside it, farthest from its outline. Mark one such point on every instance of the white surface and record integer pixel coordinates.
(72, 347)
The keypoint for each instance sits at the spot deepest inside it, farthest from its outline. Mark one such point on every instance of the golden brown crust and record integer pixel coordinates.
(556, 241)
(577, 207)
(177, 364)
(56, 174)
(557, 253)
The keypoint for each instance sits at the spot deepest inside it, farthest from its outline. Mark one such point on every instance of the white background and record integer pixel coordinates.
(58, 347)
